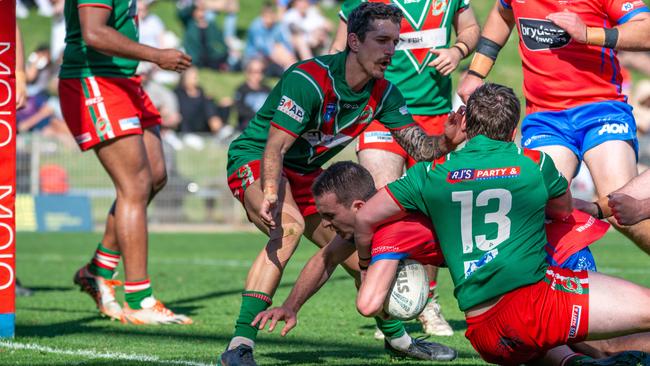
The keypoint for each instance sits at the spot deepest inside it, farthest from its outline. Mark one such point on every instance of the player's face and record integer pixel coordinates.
(335, 215)
(376, 51)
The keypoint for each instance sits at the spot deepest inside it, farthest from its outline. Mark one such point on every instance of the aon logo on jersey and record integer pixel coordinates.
(614, 128)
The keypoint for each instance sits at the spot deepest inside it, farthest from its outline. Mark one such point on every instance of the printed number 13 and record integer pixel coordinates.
(466, 199)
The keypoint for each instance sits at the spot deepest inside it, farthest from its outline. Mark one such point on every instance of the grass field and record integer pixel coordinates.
(202, 275)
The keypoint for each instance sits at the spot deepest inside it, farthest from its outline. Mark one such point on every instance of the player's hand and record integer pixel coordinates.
(274, 315)
(571, 23)
(627, 210)
(446, 60)
(173, 60)
(269, 209)
(467, 87)
(455, 129)
(21, 90)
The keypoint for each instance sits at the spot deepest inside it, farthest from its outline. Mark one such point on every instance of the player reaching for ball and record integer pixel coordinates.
(339, 192)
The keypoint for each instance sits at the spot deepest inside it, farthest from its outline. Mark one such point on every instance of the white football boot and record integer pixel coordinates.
(153, 312)
(433, 322)
(101, 290)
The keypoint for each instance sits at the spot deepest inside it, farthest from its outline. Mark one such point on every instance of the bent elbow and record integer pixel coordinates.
(91, 38)
(368, 307)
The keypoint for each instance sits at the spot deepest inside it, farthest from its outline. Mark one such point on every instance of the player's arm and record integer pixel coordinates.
(277, 145)
(340, 38)
(375, 287)
(629, 36)
(467, 34)
(102, 38)
(21, 82)
(379, 209)
(423, 147)
(316, 272)
(496, 31)
(559, 208)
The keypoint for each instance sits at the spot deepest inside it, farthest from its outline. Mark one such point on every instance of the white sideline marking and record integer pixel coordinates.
(94, 354)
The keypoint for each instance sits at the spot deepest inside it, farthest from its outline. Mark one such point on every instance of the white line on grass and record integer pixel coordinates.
(95, 354)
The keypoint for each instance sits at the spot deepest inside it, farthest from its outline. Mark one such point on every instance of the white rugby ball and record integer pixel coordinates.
(409, 291)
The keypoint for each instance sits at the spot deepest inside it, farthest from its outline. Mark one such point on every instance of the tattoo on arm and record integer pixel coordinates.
(419, 145)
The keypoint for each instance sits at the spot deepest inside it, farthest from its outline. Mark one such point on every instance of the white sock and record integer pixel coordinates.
(401, 343)
(236, 341)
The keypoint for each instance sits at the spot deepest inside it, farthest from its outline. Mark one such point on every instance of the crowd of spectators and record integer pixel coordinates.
(284, 32)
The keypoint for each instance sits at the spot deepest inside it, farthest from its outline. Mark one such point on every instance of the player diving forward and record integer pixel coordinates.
(316, 109)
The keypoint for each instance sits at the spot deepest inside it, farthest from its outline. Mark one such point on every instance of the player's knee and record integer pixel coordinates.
(292, 229)
(159, 181)
(138, 188)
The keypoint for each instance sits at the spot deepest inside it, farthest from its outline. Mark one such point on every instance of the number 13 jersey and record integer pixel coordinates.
(487, 204)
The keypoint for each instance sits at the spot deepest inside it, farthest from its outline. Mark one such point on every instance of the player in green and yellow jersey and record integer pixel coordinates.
(317, 108)
(488, 203)
(107, 110)
(421, 69)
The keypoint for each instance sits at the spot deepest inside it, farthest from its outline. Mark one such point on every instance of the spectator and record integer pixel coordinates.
(269, 40)
(154, 34)
(309, 28)
(230, 8)
(57, 35)
(199, 113)
(204, 41)
(38, 73)
(251, 95)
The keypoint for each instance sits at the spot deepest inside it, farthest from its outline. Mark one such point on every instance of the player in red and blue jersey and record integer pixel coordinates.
(339, 192)
(316, 109)
(572, 83)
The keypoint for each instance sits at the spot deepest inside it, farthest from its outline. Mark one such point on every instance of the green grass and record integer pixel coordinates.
(202, 275)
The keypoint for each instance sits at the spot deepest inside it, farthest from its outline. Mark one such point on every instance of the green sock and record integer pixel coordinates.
(135, 292)
(252, 303)
(391, 328)
(104, 262)
(576, 360)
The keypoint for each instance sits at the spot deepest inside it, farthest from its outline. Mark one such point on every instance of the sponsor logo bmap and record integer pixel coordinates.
(291, 109)
(575, 321)
(614, 128)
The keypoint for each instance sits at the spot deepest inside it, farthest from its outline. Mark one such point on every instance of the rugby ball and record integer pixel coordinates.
(409, 291)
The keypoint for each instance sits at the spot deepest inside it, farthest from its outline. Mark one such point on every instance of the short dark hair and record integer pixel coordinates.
(361, 18)
(492, 110)
(348, 181)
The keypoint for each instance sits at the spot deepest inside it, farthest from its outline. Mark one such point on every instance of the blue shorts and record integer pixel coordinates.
(580, 128)
(581, 260)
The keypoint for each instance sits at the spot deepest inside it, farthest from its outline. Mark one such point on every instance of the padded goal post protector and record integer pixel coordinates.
(7, 167)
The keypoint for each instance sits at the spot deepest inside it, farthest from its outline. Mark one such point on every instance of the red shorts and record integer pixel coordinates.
(376, 136)
(97, 109)
(300, 185)
(410, 237)
(530, 320)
